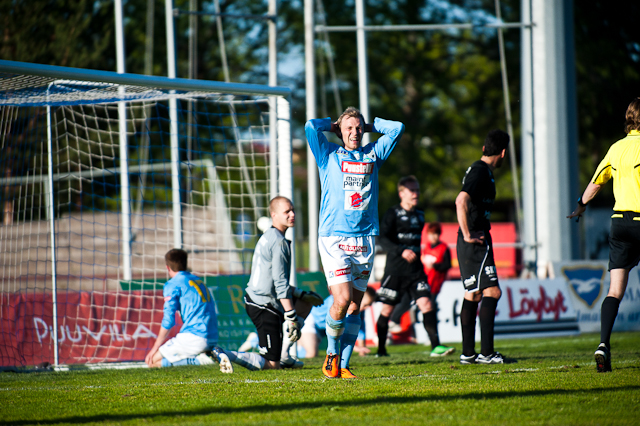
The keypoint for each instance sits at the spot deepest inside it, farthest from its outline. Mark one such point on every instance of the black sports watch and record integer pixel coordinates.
(580, 203)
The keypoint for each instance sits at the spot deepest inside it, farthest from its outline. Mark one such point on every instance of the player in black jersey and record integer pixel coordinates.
(475, 251)
(400, 235)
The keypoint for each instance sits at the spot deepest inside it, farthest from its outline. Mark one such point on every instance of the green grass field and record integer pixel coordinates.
(553, 381)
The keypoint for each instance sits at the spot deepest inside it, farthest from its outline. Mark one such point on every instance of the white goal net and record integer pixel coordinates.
(99, 178)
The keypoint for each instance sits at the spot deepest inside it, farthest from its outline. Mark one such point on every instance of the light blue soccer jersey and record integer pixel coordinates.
(349, 179)
(187, 293)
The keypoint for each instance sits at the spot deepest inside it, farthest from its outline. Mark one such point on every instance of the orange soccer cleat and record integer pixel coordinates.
(330, 368)
(345, 373)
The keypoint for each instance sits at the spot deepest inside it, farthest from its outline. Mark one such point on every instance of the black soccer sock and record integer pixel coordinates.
(468, 325)
(430, 323)
(383, 330)
(608, 314)
(487, 320)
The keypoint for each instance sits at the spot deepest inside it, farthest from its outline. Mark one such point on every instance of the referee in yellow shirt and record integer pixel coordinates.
(622, 163)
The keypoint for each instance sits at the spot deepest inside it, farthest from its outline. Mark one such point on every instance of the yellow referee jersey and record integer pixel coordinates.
(622, 163)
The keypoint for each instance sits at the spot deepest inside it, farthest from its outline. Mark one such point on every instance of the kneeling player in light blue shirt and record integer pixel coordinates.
(197, 338)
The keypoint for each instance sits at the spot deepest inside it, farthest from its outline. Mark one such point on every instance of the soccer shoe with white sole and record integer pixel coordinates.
(471, 359)
(331, 366)
(224, 361)
(345, 373)
(442, 350)
(206, 358)
(494, 358)
(603, 359)
(291, 362)
(394, 328)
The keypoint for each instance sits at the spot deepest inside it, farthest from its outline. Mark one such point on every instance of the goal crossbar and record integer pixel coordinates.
(57, 72)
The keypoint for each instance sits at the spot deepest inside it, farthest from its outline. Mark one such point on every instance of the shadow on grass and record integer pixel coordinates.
(329, 404)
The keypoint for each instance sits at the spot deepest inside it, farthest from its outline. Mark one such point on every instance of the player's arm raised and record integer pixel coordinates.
(391, 133)
(320, 146)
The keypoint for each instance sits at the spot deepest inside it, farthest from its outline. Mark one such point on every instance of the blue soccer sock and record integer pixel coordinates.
(351, 329)
(335, 328)
(186, 361)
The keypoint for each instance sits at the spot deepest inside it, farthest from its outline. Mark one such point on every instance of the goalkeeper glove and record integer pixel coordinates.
(311, 297)
(293, 325)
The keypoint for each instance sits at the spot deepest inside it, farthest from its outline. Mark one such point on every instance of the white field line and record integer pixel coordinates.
(219, 379)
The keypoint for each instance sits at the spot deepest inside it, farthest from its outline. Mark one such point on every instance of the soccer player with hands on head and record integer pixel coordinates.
(348, 221)
(620, 164)
(276, 308)
(195, 343)
(474, 205)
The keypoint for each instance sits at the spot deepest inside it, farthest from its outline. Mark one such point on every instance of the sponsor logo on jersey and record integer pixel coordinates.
(408, 236)
(342, 151)
(357, 249)
(357, 167)
(355, 182)
(356, 200)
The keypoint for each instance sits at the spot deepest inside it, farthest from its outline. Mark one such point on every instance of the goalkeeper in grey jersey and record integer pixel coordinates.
(276, 308)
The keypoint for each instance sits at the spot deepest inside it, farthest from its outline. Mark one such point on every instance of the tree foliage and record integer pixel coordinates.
(444, 85)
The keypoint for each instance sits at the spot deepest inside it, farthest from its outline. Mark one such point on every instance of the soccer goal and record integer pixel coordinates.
(100, 175)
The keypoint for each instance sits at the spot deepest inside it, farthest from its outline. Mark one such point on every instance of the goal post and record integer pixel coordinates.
(88, 213)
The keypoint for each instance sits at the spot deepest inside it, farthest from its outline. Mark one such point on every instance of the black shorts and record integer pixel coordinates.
(624, 240)
(393, 287)
(477, 266)
(268, 322)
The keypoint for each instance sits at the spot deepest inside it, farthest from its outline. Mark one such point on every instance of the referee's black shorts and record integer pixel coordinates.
(268, 322)
(477, 265)
(624, 240)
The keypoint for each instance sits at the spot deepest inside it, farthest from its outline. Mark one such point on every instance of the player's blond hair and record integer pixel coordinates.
(351, 112)
(632, 117)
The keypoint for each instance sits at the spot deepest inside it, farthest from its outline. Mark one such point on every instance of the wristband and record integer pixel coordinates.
(580, 203)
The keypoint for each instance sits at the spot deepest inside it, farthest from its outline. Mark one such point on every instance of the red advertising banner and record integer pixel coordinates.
(504, 250)
(92, 327)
